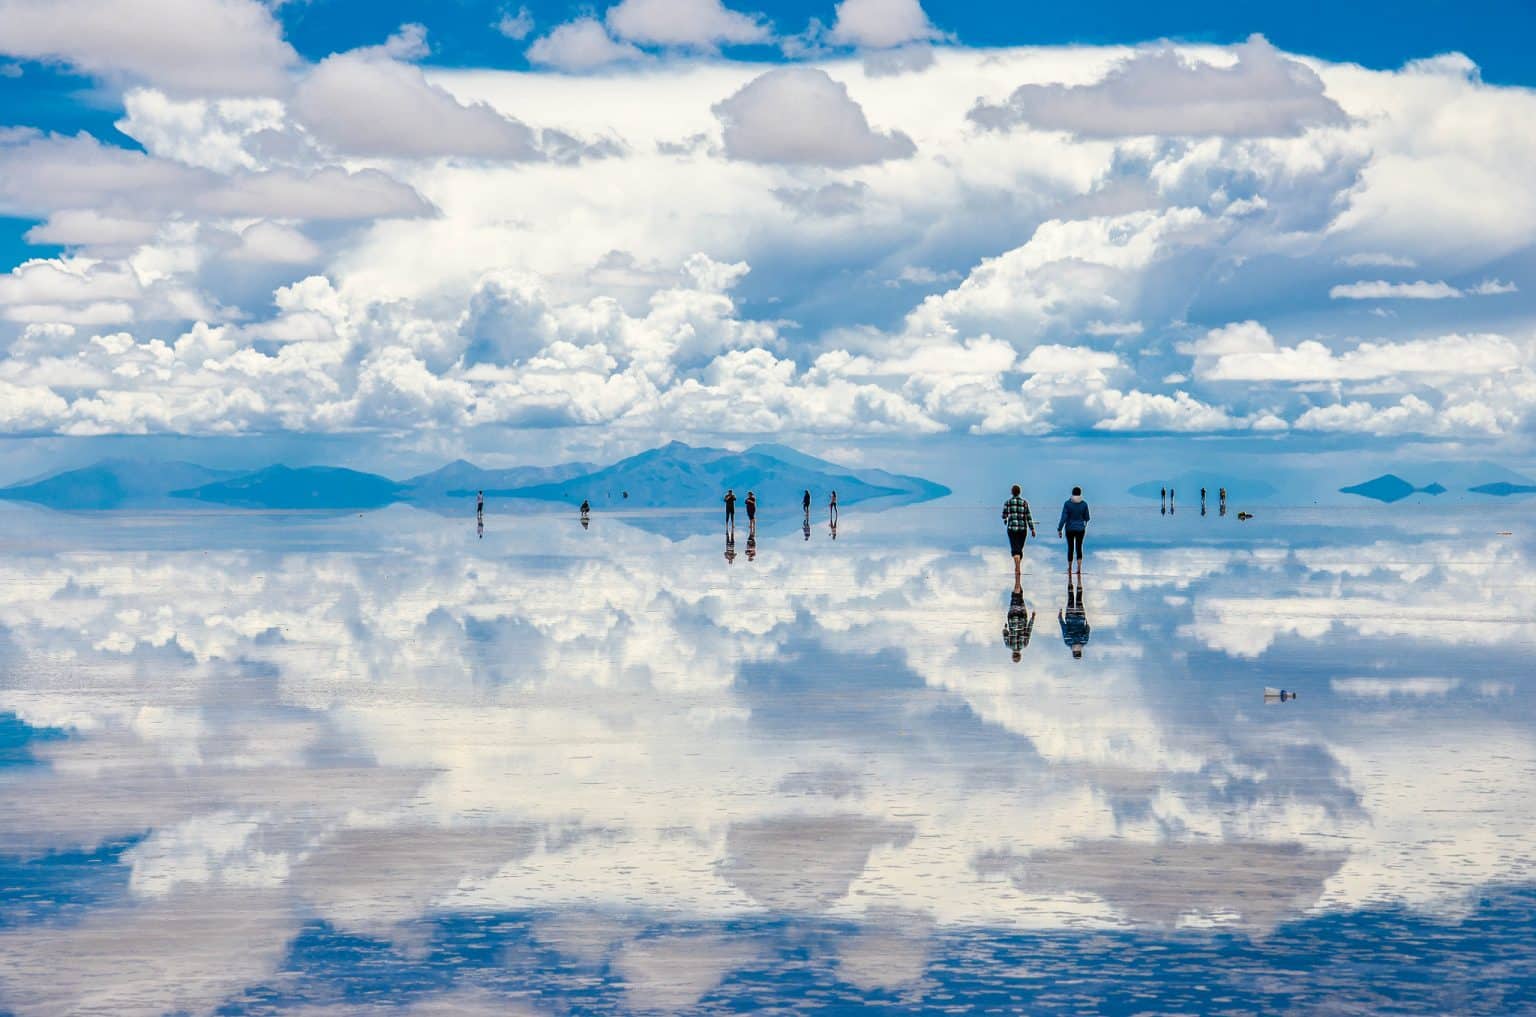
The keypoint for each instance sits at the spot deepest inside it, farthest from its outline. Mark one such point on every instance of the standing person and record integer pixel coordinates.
(479, 504)
(832, 507)
(1074, 623)
(586, 508)
(805, 502)
(752, 515)
(1074, 521)
(1162, 500)
(730, 510)
(1020, 623)
(1202, 501)
(1020, 525)
(1171, 496)
(1222, 494)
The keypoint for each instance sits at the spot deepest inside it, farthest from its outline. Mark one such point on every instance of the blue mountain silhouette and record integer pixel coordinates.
(1503, 489)
(679, 475)
(115, 484)
(1389, 487)
(309, 487)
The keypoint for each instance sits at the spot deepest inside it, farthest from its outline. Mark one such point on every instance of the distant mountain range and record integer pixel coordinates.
(674, 476)
(1390, 487)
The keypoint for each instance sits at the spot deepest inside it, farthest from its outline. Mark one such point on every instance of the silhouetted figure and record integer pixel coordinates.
(1170, 501)
(730, 510)
(586, 509)
(1162, 499)
(752, 544)
(730, 547)
(805, 502)
(832, 508)
(1020, 623)
(626, 495)
(1020, 526)
(479, 504)
(1221, 493)
(1244, 516)
(1074, 522)
(1202, 501)
(1074, 621)
(751, 510)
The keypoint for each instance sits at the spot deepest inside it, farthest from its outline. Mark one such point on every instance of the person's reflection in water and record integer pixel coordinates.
(752, 544)
(1020, 623)
(1074, 622)
(586, 511)
(480, 527)
(805, 524)
(833, 528)
(730, 546)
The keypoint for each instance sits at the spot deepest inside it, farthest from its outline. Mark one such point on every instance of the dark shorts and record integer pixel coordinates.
(1016, 541)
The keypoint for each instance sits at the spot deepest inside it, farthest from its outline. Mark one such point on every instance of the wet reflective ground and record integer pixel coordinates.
(377, 765)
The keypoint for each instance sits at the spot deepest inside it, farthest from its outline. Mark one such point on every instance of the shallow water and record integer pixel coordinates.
(375, 764)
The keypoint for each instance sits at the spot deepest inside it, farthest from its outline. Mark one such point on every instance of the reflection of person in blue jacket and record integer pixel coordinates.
(1074, 622)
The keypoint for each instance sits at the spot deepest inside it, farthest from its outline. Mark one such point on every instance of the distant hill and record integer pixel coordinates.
(679, 475)
(115, 484)
(1389, 487)
(1189, 483)
(1503, 489)
(309, 487)
(460, 479)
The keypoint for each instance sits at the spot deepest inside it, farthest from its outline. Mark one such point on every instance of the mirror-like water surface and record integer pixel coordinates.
(378, 765)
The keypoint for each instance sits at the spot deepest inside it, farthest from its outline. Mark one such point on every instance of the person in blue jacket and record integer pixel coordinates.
(1074, 520)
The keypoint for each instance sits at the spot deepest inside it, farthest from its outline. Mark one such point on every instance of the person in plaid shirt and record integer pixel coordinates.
(1020, 623)
(1020, 524)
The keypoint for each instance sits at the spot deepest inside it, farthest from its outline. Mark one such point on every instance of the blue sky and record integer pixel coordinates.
(449, 226)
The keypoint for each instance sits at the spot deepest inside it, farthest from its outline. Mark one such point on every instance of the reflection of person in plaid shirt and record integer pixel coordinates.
(1021, 622)
(1020, 524)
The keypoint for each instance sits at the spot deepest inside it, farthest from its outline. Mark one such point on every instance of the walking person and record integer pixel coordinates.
(1020, 525)
(730, 510)
(1074, 522)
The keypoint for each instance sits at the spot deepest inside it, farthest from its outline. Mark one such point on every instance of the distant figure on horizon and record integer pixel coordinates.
(1074, 521)
(1170, 501)
(730, 510)
(805, 502)
(751, 512)
(832, 507)
(1162, 500)
(479, 504)
(1020, 526)
(1074, 622)
(586, 513)
(1020, 623)
(1222, 494)
(1202, 499)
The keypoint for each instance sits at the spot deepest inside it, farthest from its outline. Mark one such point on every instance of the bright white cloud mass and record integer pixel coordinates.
(651, 237)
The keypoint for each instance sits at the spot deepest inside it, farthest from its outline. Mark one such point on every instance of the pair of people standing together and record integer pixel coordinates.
(1073, 524)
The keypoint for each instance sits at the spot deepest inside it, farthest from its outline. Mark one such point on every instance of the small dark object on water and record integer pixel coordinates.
(1281, 694)
(1245, 516)
(626, 494)
(1502, 533)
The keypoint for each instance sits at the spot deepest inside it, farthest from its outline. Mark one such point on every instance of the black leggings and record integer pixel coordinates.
(1074, 544)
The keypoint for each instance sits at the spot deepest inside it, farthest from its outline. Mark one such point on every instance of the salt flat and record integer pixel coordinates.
(260, 763)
